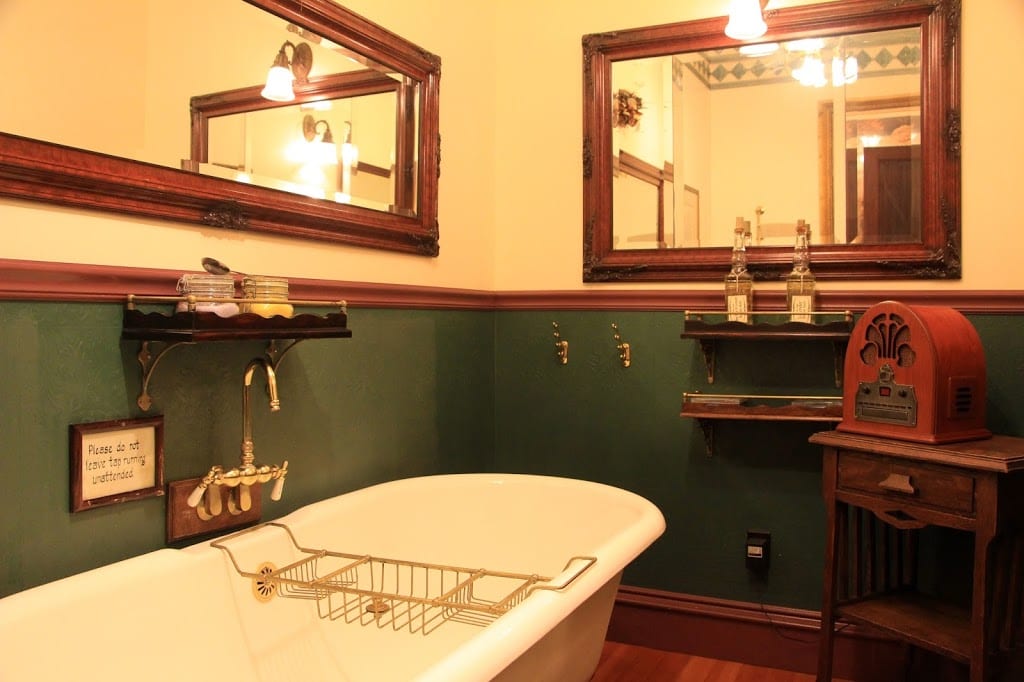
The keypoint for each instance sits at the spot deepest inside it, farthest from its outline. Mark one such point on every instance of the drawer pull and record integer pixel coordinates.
(898, 483)
(900, 519)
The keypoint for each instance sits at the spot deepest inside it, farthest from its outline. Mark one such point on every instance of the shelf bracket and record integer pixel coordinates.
(148, 362)
(839, 352)
(707, 349)
(275, 352)
(707, 426)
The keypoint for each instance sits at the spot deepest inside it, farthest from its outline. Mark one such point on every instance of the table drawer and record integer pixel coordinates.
(944, 488)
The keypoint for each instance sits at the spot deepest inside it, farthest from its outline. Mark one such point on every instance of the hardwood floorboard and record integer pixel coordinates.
(628, 663)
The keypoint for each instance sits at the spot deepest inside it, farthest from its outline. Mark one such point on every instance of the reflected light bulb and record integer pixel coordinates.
(349, 154)
(811, 72)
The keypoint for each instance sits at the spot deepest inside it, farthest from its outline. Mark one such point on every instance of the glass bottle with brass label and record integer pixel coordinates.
(739, 285)
(800, 282)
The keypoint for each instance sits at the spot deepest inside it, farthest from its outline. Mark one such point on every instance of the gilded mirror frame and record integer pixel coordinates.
(42, 171)
(938, 254)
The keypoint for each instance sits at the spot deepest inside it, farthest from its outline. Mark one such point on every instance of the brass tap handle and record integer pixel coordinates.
(279, 476)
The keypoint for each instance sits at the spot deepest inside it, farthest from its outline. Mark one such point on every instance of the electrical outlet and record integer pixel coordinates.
(758, 550)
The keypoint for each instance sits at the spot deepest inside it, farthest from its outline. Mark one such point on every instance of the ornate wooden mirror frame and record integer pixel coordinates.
(42, 171)
(936, 256)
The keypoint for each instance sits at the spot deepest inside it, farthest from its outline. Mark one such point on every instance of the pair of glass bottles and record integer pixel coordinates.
(739, 284)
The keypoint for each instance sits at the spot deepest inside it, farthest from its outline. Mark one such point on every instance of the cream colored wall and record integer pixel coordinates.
(511, 185)
(538, 215)
(464, 38)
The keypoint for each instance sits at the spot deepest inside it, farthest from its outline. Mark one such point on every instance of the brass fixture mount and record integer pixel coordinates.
(625, 355)
(561, 346)
(309, 129)
(301, 62)
(240, 479)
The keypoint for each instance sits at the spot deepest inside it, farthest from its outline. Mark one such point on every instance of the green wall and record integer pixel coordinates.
(594, 419)
(410, 393)
(419, 392)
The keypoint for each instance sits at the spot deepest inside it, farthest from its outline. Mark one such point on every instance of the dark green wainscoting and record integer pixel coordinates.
(436, 391)
(594, 419)
(410, 393)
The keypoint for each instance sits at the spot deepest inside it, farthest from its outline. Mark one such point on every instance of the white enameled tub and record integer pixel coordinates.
(190, 615)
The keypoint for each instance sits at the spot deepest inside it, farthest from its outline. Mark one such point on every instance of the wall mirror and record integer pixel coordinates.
(160, 114)
(845, 115)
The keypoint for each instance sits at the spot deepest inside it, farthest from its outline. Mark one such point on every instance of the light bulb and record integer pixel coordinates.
(745, 20)
(279, 85)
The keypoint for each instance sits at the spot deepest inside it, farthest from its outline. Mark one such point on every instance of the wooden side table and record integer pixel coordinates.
(878, 493)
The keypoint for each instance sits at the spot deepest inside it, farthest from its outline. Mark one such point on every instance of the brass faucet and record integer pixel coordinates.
(240, 478)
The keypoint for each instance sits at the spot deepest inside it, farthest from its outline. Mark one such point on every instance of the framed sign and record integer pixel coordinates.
(116, 461)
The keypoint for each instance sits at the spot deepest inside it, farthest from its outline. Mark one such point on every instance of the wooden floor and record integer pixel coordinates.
(628, 663)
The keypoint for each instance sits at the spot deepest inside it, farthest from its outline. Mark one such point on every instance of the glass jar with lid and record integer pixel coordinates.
(269, 296)
(207, 294)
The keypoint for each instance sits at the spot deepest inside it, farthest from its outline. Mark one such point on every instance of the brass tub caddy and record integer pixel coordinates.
(407, 595)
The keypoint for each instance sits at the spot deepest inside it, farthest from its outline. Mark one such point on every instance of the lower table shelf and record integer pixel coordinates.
(916, 618)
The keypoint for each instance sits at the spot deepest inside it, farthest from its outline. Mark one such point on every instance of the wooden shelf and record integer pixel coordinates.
(173, 329)
(192, 327)
(772, 327)
(766, 331)
(701, 406)
(708, 408)
(917, 619)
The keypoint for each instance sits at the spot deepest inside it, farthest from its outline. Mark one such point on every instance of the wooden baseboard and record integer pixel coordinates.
(755, 634)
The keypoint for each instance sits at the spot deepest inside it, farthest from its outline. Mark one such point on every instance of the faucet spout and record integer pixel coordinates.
(275, 404)
(250, 369)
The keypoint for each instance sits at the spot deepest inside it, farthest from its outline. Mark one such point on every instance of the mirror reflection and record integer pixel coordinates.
(845, 115)
(134, 81)
(826, 130)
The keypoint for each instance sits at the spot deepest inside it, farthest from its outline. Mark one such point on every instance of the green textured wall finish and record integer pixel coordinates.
(419, 392)
(410, 394)
(595, 419)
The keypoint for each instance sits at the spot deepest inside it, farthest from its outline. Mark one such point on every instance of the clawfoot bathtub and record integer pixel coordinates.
(545, 555)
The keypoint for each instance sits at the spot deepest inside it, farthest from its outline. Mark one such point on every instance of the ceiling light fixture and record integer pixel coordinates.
(811, 72)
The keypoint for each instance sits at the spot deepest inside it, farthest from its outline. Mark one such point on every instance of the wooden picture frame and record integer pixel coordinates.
(116, 461)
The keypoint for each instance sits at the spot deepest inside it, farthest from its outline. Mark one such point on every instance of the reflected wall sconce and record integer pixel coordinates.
(349, 162)
(323, 151)
(844, 71)
(746, 20)
(284, 71)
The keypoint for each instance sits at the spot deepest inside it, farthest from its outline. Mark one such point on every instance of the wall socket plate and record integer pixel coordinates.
(758, 550)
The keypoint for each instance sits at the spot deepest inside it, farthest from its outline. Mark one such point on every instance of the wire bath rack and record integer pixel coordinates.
(407, 595)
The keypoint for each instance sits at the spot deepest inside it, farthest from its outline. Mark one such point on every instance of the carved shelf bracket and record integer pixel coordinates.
(707, 349)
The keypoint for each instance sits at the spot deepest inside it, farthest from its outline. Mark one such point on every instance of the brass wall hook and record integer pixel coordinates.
(561, 346)
(624, 353)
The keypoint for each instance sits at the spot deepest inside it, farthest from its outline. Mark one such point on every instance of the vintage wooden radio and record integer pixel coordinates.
(914, 373)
